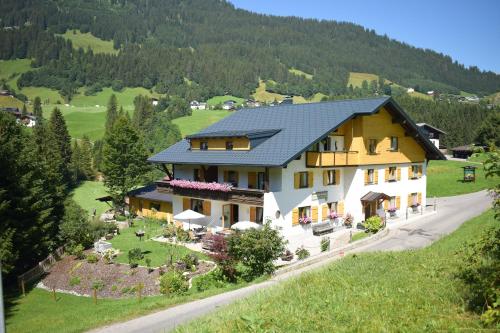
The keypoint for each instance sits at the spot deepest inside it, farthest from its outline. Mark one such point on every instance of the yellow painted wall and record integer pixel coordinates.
(240, 143)
(165, 212)
(378, 126)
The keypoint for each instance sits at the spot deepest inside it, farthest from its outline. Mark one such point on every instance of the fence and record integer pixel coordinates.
(39, 270)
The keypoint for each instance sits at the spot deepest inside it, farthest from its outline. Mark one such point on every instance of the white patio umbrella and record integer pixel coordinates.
(245, 225)
(189, 215)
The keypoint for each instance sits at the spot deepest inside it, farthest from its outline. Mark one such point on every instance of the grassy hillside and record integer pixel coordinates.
(11, 69)
(86, 40)
(199, 120)
(409, 291)
(444, 178)
(300, 73)
(216, 100)
(356, 79)
(10, 102)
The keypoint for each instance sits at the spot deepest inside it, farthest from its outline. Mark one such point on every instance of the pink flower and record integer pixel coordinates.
(305, 220)
(200, 185)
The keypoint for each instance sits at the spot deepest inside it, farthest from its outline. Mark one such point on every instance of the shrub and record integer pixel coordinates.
(480, 274)
(108, 256)
(221, 256)
(74, 281)
(134, 255)
(114, 287)
(172, 283)
(325, 244)
(182, 235)
(148, 263)
(348, 220)
(92, 258)
(214, 279)
(77, 251)
(373, 224)
(191, 260)
(302, 253)
(169, 231)
(121, 218)
(75, 228)
(257, 249)
(97, 285)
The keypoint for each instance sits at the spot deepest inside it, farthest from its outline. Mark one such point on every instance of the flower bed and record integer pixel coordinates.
(188, 184)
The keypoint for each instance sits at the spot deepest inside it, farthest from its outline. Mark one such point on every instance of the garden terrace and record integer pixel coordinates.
(231, 194)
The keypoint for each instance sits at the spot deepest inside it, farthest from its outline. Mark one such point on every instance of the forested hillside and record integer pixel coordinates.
(201, 48)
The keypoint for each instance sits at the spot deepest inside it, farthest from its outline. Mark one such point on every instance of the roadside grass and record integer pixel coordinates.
(199, 120)
(159, 253)
(39, 313)
(359, 235)
(221, 99)
(86, 40)
(409, 291)
(445, 178)
(85, 195)
(300, 73)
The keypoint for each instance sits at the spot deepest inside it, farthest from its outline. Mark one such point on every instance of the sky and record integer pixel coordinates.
(468, 31)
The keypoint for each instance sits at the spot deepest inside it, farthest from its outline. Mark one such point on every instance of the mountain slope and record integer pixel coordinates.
(220, 48)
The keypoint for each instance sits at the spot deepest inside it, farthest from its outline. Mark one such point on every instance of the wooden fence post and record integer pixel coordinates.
(95, 296)
(22, 288)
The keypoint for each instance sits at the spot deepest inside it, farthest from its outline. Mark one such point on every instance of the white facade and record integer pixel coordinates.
(283, 197)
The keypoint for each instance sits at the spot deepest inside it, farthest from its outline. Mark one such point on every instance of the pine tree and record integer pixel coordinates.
(111, 113)
(76, 164)
(86, 158)
(124, 160)
(24, 111)
(37, 109)
(63, 142)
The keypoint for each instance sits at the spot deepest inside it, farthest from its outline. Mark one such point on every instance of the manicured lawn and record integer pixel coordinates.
(85, 40)
(221, 99)
(359, 236)
(199, 120)
(444, 178)
(158, 252)
(410, 291)
(85, 195)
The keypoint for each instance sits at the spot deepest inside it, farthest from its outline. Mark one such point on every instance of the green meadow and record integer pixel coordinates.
(86, 40)
(217, 100)
(199, 120)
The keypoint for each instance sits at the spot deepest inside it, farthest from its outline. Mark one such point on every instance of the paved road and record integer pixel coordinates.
(451, 213)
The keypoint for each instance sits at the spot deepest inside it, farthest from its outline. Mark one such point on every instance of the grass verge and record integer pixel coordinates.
(409, 291)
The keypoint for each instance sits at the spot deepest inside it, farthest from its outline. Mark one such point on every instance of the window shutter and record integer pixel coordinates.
(340, 208)
(409, 200)
(186, 203)
(253, 214)
(366, 177)
(295, 216)
(252, 180)
(386, 204)
(398, 202)
(375, 177)
(324, 212)
(420, 171)
(296, 180)
(419, 198)
(314, 213)
(337, 177)
(398, 174)
(410, 171)
(310, 179)
(207, 208)
(325, 177)
(387, 173)
(226, 176)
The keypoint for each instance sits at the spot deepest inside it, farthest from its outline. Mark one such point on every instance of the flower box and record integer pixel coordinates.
(305, 220)
(188, 184)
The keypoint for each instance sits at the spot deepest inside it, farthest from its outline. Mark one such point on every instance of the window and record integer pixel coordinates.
(392, 173)
(304, 179)
(326, 144)
(371, 176)
(330, 177)
(203, 145)
(155, 206)
(392, 202)
(431, 135)
(229, 145)
(260, 180)
(259, 215)
(394, 143)
(332, 207)
(414, 199)
(414, 171)
(305, 212)
(196, 175)
(372, 146)
(232, 177)
(197, 205)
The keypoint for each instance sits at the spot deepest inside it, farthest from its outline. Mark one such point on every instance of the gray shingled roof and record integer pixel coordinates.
(300, 126)
(150, 192)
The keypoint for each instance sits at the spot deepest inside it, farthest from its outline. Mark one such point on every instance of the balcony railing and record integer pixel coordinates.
(236, 195)
(331, 158)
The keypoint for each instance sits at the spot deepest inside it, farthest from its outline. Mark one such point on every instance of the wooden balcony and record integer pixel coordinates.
(331, 159)
(236, 195)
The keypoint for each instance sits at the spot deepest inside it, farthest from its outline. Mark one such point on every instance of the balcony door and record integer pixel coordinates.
(230, 215)
(212, 174)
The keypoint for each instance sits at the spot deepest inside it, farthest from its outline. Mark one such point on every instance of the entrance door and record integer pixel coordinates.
(230, 215)
(370, 209)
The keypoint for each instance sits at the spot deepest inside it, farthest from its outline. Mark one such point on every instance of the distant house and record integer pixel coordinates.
(154, 101)
(229, 105)
(5, 93)
(252, 103)
(430, 93)
(472, 99)
(410, 90)
(28, 120)
(432, 133)
(195, 105)
(463, 151)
